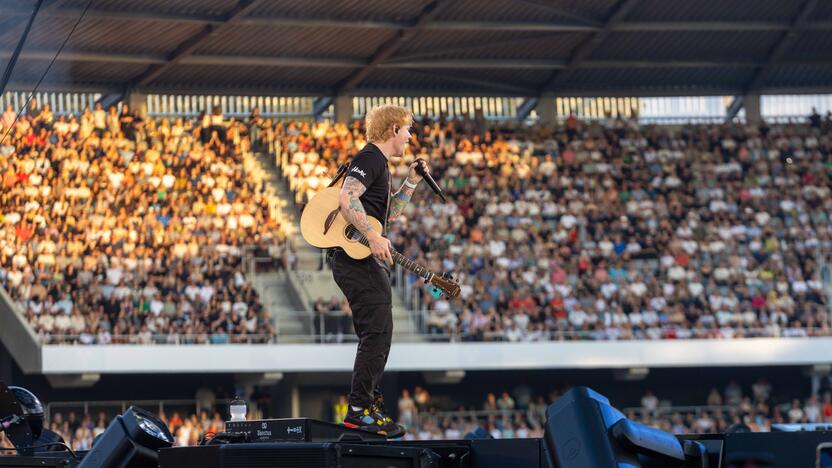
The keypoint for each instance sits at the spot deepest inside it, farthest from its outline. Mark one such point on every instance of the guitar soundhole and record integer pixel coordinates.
(351, 233)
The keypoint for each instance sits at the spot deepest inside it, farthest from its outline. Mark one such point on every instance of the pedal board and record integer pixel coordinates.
(299, 430)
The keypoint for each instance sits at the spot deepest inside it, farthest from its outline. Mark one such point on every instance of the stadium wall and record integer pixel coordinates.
(106, 359)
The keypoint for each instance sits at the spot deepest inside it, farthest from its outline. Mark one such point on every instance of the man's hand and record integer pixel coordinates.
(380, 246)
(414, 176)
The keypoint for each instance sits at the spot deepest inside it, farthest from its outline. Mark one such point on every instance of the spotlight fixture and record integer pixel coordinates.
(21, 417)
(132, 440)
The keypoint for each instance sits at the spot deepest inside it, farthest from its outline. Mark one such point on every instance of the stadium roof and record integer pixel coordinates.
(392, 47)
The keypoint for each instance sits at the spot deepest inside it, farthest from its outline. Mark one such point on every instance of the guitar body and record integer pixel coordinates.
(323, 225)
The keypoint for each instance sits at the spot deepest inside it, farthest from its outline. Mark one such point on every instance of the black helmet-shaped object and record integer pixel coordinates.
(32, 409)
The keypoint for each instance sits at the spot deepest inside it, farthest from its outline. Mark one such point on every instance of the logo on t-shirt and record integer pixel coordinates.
(363, 174)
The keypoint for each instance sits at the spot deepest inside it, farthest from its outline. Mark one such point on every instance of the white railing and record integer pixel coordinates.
(179, 105)
(61, 103)
(660, 110)
(791, 107)
(491, 108)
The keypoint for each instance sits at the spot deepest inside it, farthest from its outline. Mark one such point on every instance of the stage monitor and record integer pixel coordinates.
(584, 431)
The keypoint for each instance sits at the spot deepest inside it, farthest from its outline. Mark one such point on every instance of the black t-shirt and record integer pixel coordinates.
(369, 167)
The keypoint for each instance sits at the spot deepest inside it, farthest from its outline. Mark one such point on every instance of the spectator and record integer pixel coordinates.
(407, 409)
(733, 393)
(649, 402)
(714, 398)
(796, 414)
(176, 218)
(506, 402)
(812, 409)
(340, 409)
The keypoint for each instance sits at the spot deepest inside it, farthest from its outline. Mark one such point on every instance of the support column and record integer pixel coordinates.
(752, 109)
(546, 110)
(137, 102)
(343, 109)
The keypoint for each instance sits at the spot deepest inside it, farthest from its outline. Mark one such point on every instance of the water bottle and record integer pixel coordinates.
(238, 409)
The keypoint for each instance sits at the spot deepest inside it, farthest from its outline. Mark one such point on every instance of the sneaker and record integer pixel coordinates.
(372, 421)
(378, 408)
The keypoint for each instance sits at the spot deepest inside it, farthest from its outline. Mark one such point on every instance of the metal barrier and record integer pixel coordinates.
(432, 333)
(793, 107)
(114, 408)
(179, 105)
(471, 416)
(61, 103)
(172, 339)
(336, 327)
(661, 110)
(491, 107)
(641, 412)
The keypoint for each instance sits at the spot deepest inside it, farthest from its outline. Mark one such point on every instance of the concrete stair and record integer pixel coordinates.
(279, 296)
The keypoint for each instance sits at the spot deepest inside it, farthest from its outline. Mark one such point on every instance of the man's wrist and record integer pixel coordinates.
(409, 183)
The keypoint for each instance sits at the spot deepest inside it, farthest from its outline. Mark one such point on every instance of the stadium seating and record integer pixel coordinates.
(116, 229)
(613, 231)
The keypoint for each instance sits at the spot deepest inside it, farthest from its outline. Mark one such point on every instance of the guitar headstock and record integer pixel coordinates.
(444, 285)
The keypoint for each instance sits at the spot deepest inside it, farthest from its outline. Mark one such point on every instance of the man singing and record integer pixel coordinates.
(366, 283)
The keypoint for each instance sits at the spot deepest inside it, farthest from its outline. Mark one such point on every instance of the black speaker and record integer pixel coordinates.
(584, 431)
(298, 455)
(765, 449)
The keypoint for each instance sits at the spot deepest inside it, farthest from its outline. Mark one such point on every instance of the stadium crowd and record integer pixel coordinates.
(522, 414)
(516, 414)
(79, 432)
(120, 229)
(607, 229)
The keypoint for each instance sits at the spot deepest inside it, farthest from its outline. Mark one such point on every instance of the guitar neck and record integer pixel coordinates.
(411, 265)
(405, 262)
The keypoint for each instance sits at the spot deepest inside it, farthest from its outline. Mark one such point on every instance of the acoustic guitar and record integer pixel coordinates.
(322, 225)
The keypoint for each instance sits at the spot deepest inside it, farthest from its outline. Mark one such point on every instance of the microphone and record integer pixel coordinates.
(420, 169)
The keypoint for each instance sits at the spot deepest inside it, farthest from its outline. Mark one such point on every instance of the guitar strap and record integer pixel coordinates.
(389, 196)
(341, 171)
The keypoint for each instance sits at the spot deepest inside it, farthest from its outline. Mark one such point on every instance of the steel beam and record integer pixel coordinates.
(734, 108)
(548, 6)
(321, 104)
(402, 62)
(581, 25)
(783, 44)
(387, 49)
(589, 45)
(494, 85)
(189, 45)
(526, 107)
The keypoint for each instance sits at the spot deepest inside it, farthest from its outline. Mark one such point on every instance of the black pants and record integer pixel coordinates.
(367, 288)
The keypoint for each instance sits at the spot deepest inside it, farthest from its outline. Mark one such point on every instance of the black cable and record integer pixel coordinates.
(16, 117)
(50, 444)
(7, 74)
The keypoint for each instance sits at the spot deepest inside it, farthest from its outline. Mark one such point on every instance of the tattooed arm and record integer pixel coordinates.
(400, 200)
(353, 210)
(351, 206)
